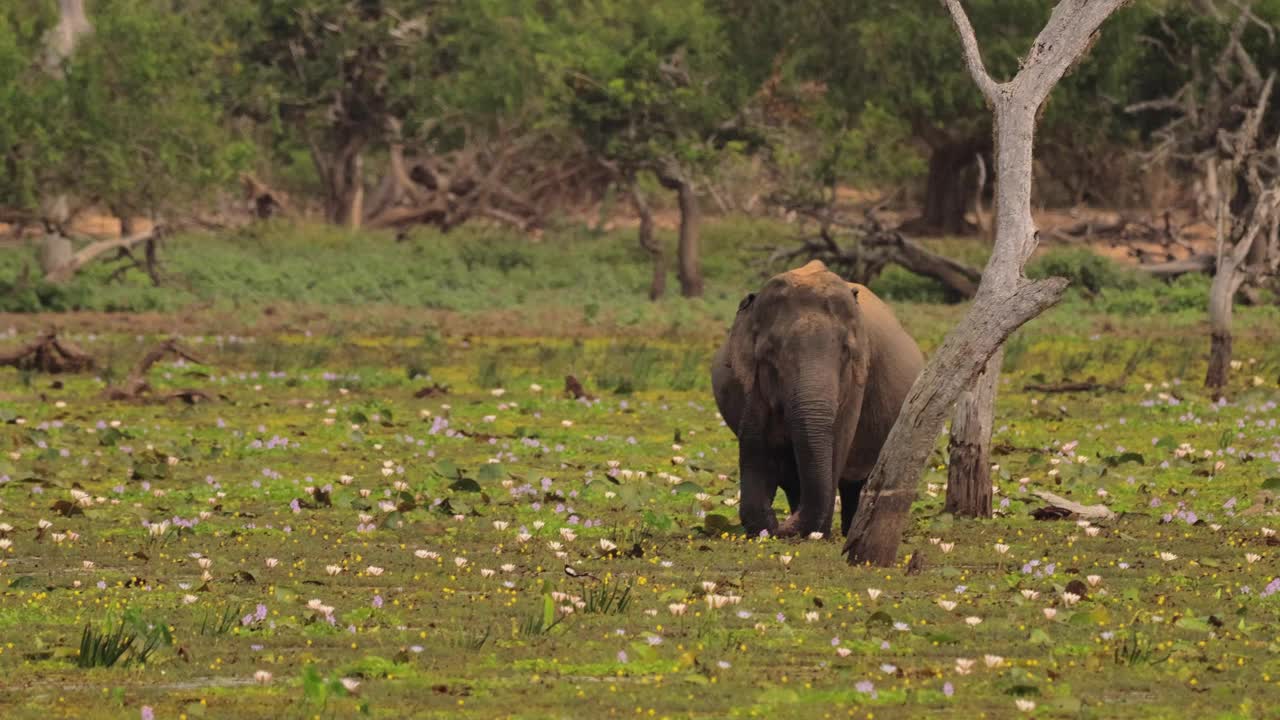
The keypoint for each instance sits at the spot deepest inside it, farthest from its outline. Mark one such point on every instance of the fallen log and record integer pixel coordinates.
(1202, 263)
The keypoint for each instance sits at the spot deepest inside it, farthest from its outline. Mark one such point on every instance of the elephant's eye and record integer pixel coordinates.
(746, 302)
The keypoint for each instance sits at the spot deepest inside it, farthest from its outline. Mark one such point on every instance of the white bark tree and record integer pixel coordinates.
(1006, 299)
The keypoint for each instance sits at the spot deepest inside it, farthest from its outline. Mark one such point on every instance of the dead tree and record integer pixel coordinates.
(69, 266)
(1006, 299)
(1218, 129)
(860, 250)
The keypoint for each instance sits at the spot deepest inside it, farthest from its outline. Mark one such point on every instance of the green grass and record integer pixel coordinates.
(429, 636)
(448, 520)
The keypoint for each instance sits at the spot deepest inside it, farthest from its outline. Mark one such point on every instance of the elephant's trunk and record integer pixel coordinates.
(811, 409)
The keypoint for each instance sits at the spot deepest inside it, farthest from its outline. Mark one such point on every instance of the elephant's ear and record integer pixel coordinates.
(854, 288)
(746, 302)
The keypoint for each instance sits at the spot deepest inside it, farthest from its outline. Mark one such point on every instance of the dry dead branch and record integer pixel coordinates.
(48, 353)
(860, 250)
(136, 385)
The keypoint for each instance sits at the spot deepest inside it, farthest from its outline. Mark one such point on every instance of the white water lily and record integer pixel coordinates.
(1049, 613)
(1252, 557)
(373, 570)
(946, 547)
(874, 593)
(708, 586)
(333, 569)
(973, 621)
(1094, 580)
(1168, 556)
(947, 605)
(1070, 598)
(678, 609)
(992, 661)
(607, 545)
(1002, 548)
(1025, 705)
(262, 677)
(1030, 594)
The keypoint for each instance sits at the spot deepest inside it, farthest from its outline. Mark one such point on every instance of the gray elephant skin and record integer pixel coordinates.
(811, 380)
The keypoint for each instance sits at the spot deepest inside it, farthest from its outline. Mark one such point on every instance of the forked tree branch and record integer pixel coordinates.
(1006, 299)
(972, 54)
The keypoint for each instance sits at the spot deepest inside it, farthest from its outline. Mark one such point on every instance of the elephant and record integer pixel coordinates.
(810, 380)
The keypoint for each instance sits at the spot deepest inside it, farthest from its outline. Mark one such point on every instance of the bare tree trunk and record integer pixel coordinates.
(73, 24)
(688, 254)
(1006, 298)
(650, 243)
(55, 252)
(969, 471)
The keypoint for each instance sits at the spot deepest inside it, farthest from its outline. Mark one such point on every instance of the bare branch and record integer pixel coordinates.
(90, 253)
(972, 54)
(1071, 29)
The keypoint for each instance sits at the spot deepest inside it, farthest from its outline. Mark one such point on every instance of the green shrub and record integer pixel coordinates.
(1085, 269)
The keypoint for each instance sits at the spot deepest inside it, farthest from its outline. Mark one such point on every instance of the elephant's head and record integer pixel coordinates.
(798, 351)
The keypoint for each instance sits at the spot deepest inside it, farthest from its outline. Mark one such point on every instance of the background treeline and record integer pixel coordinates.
(390, 113)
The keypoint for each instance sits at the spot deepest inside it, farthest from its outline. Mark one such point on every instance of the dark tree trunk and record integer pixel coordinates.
(650, 243)
(690, 267)
(1219, 362)
(948, 189)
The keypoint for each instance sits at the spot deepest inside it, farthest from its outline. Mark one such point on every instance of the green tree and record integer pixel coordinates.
(897, 97)
(649, 88)
(126, 120)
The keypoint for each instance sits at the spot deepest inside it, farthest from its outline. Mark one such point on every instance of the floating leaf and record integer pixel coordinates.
(464, 484)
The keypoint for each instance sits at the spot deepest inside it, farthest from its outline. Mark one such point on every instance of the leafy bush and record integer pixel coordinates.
(1085, 269)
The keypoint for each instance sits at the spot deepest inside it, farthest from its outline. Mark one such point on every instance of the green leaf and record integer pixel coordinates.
(490, 472)
(1272, 484)
(465, 484)
(1193, 623)
(687, 488)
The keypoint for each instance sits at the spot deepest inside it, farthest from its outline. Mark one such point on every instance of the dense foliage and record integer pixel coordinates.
(161, 100)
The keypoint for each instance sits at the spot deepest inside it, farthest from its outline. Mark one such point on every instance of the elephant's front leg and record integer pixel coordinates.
(762, 470)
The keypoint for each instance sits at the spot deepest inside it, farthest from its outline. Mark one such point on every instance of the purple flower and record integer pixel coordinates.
(622, 656)
(1271, 588)
(781, 618)
(948, 689)
(377, 601)
(866, 687)
(148, 713)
